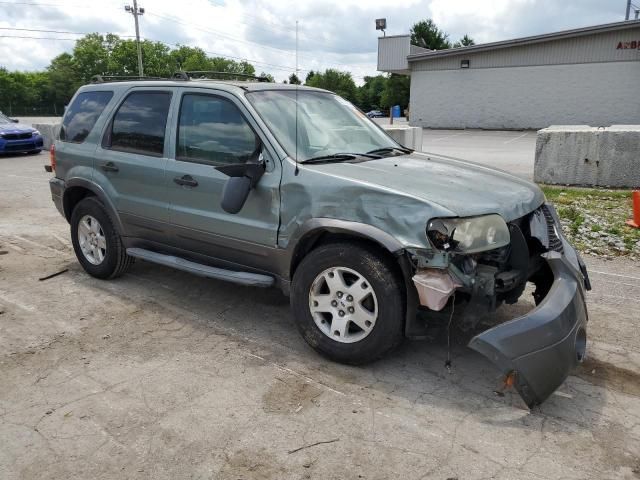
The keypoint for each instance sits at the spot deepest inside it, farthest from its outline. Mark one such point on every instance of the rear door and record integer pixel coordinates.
(213, 128)
(131, 160)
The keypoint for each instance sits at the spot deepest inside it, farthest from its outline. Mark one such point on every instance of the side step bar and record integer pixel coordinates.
(242, 278)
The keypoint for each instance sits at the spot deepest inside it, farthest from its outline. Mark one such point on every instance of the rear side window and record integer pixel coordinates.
(139, 124)
(82, 115)
(212, 130)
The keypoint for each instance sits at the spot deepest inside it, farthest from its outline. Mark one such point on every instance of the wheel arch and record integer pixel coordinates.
(78, 188)
(320, 231)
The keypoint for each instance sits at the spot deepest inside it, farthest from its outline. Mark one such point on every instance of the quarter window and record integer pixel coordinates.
(139, 124)
(212, 130)
(82, 115)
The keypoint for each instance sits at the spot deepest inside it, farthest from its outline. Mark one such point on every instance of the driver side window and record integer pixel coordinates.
(212, 130)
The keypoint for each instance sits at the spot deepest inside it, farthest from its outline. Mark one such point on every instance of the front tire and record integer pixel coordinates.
(96, 242)
(348, 302)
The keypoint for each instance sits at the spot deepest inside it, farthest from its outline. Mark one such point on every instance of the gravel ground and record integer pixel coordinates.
(594, 220)
(160, 374)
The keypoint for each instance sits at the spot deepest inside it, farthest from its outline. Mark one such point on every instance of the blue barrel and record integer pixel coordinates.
(395, 111)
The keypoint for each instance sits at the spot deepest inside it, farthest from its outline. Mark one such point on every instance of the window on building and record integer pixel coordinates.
(82, 115)
(212, 130)
(139, 124)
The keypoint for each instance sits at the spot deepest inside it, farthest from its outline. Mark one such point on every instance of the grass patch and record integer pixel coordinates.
(594, 219)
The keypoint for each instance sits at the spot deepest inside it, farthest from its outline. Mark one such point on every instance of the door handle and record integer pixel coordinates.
(186, 180)
(109, 167)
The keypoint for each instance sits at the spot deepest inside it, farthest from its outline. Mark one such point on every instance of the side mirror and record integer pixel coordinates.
(242, 178)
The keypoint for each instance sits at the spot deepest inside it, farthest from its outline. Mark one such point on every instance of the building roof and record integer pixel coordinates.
(546, 37)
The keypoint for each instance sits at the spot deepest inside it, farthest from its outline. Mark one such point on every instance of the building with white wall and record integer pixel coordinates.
(585, 76)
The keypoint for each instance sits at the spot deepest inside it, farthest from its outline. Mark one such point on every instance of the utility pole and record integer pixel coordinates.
(136, 12)
(626, 17)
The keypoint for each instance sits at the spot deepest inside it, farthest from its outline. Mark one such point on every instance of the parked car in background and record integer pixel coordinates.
(375, 114)
(265, 184)
(18, 138)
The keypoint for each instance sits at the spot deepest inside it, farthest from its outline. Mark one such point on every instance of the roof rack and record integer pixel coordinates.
(181, 75)
(211, 74)
(121, 78)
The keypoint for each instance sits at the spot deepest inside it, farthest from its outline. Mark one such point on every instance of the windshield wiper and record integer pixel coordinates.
(390, 150)
(340, 157)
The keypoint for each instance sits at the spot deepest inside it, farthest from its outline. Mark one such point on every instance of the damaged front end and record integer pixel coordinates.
(485, 262)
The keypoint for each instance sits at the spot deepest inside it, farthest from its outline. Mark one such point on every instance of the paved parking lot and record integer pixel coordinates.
(160, 374)
(507, 150)
(513, 151)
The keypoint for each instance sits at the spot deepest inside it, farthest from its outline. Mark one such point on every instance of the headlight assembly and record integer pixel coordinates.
(468, 235)
(35, 133)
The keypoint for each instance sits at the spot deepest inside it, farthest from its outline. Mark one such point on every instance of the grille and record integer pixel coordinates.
(16, 136)
(19, 147)
(555, 243)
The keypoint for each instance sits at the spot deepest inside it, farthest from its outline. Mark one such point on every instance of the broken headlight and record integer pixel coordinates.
(468, 235)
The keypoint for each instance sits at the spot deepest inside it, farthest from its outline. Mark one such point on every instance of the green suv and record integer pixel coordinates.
(264, 184)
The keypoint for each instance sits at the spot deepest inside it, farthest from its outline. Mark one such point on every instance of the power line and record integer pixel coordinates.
(248, 42)
(171, 18)
(39, 38)
(58, 31)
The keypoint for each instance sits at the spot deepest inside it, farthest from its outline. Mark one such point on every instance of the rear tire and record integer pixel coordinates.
(96, 242)
(348, 302)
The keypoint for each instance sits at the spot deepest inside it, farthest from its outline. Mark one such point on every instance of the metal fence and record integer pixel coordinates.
(39, 111)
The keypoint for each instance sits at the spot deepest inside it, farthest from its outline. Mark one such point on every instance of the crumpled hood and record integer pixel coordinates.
(464, 188)
(15, 128)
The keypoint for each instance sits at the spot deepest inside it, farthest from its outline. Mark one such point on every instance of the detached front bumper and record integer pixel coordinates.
(541, 348)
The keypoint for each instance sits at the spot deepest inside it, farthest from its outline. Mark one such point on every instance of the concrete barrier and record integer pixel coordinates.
(589, 156)
(49, 132)
(410, 137)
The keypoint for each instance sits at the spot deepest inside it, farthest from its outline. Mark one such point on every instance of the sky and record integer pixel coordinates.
(336, 34)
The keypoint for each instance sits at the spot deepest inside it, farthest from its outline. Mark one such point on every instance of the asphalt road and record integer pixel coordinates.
(160, 374)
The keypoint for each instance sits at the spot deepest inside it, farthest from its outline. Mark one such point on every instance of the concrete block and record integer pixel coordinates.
(589, 156)
(410, 137)
(49, 132)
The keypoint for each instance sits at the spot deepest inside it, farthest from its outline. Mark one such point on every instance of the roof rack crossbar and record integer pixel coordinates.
(180, 75)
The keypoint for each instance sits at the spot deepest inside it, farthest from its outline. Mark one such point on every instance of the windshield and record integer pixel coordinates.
(327, 124)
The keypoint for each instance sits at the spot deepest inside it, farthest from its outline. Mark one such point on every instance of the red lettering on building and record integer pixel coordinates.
(632, 45)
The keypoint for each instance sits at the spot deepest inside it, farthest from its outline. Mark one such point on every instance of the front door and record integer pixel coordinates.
(215, 129)
(130, 163)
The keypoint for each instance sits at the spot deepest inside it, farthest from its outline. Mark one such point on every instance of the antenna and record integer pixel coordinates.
(297, 170)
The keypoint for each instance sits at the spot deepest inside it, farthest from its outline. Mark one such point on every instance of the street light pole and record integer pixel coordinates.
(135, 11)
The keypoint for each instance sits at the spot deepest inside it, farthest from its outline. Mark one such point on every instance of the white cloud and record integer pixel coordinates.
(332, 33)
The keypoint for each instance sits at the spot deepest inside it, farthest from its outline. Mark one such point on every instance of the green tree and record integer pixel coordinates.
(465, 41)
(156, 61)
(293, 79)
(92, 55)
(63, 80)
(309, 77)
(189, 59)
(396, 92)
(370, 93)
(426, 34)
(268, 76)
(338, 82)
